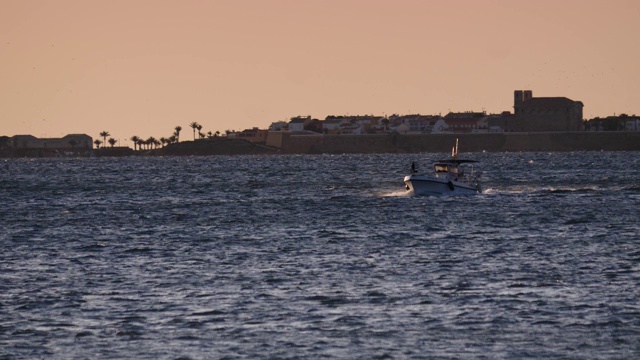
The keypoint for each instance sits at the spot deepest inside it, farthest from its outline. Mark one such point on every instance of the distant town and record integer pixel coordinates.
(531, 116)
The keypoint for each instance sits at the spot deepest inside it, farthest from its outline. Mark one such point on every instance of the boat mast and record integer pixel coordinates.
(454, 151)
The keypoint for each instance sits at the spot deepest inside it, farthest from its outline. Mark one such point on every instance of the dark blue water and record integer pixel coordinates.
(319, 257)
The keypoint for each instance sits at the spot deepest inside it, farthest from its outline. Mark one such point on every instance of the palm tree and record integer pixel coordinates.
(194, 125)
(177, 133)
(104, 135)
(98, 143)
(112, 141)
(217, 133)
(200, 134)
(172, 139)
(164, 141)
(140, 143)
(151, 141)
(135, 140)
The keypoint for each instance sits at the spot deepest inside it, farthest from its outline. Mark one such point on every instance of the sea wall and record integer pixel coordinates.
(492, 142)
(354, 144)
(301, 144)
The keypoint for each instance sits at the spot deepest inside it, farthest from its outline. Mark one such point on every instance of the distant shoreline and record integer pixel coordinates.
(469, 142)
(290, 143)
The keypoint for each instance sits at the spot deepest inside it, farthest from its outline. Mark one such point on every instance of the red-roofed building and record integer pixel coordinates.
(466, 122)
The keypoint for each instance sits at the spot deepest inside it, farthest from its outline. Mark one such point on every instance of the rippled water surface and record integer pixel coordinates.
(319, 257)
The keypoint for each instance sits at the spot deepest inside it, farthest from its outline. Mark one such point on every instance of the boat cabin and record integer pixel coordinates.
(450, 168)
(446, 170)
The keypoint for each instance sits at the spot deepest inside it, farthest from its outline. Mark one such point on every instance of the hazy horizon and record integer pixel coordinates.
(143, 67)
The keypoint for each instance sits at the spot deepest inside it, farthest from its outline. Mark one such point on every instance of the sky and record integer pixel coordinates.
(143, 67)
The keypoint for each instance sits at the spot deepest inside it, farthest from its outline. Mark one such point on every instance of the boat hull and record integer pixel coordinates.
(427, 185)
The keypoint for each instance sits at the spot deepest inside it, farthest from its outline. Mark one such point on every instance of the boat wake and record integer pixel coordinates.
(517, 190)
(569, 189)
(490, 191)
(395, 193)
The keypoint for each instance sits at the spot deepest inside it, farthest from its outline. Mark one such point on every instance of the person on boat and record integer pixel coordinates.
(413, 167)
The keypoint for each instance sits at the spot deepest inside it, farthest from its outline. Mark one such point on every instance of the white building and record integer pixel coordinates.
(298, 123)
(632, 125)
(279, 126)
(332, 125)
(440, 127)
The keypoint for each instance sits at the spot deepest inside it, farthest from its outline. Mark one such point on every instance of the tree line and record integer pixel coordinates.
(151, 142)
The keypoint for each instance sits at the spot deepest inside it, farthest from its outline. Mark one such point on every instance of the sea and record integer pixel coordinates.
(319, 257)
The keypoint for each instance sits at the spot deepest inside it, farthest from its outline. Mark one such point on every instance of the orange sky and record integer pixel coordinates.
(141, 67)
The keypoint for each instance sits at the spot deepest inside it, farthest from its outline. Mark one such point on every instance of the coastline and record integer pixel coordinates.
(470, 142)
(291, 143)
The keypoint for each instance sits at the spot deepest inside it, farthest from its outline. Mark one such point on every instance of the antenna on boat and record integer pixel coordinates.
(454, 151)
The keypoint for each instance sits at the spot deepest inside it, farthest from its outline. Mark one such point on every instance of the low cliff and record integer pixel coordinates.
(215, 146)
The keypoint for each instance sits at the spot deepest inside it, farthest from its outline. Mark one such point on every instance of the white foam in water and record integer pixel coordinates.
(395, 193)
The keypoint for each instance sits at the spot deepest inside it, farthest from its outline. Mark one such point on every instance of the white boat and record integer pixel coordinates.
(449, 177)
